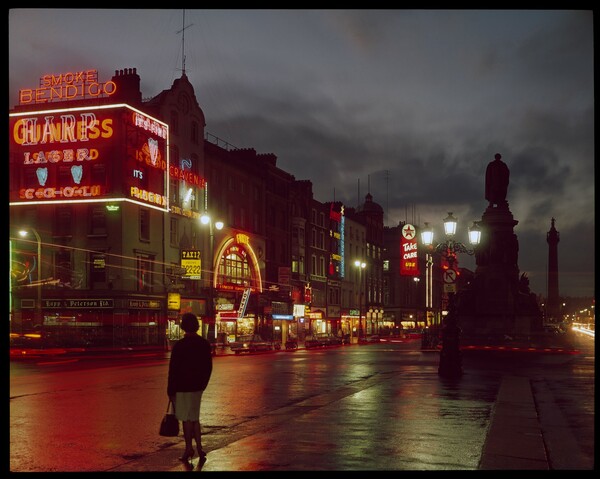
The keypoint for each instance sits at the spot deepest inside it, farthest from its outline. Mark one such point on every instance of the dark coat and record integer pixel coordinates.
(190, 366)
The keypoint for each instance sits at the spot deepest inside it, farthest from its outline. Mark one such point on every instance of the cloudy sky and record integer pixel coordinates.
(410, 105)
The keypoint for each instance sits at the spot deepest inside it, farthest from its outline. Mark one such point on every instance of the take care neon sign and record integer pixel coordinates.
(67, 86)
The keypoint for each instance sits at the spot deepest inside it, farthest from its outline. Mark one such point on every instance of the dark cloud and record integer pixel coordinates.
(409, 104)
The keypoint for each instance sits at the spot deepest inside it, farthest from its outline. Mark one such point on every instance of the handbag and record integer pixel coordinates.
(169, 426)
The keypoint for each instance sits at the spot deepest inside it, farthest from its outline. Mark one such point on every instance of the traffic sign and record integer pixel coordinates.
(449, 276)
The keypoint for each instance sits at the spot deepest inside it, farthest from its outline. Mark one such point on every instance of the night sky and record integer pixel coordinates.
(410, 105)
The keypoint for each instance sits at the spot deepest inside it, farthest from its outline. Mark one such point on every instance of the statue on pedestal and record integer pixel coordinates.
(496, 182)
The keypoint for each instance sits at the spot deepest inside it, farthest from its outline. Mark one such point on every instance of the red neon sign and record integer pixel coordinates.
(67, 86)
(409, 265)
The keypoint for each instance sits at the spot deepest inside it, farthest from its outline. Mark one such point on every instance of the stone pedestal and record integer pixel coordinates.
(496, 306)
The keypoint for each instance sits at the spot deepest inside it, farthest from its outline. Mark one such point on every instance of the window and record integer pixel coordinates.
(144, 224)
(301, 265)
(174, 124)
(314, 238)
(321, 219)
(144, 272)
(174, 232)
(97, 217)
(321, 266)
(173, 191)
(99, 174)
(195, 132)
(97, 268)
(321, 240)
(295, 268)
(386, 265)
(63, 266)
(234, 270)
(63, 221)
(313, 260)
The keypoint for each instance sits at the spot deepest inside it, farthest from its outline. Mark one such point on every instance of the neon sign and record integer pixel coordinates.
(409, 265)
(67, 86)
(71, 154)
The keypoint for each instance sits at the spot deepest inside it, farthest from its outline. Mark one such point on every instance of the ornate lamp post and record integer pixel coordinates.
(38, 305)
(450, 356)
(360, 265)
(205, 219)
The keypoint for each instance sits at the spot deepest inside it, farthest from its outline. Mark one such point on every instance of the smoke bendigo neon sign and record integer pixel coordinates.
(67, 86)
(88, 153)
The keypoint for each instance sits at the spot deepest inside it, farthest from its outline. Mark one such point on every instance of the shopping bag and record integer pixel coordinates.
(169, 426)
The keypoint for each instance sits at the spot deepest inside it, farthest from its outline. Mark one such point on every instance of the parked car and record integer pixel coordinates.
(250, 343)
(322, 339)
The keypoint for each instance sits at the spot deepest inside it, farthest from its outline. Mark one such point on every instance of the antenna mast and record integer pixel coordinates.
(182, 31)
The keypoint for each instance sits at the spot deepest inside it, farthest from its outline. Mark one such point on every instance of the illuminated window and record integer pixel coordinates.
(144, 224)
(386, 265)
(301, 265)
(235, 270)
(295, 268)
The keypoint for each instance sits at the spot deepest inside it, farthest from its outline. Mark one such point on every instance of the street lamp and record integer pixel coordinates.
(360, 265)
(450, 358)
(205, 219)
(416, 279)
(38, 306)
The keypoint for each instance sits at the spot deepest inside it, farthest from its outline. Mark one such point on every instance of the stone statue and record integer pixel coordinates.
(496, 181)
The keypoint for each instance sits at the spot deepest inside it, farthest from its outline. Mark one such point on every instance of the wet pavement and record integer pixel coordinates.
(494, 417)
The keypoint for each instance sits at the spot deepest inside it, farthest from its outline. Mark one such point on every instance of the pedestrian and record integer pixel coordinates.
(190, 368)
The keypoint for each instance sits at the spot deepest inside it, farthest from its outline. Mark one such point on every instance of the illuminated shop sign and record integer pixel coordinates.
(67, 86)
(409, 265)
(191, 261)
(88, 154)
(77, 303)
(336, 261)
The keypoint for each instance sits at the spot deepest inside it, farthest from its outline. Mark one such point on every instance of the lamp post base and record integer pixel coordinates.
(450, 355)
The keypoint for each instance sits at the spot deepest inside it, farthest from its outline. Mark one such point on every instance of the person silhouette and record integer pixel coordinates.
(496, 181)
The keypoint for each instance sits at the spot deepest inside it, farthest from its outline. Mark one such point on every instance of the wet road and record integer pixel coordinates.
(375, 407)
